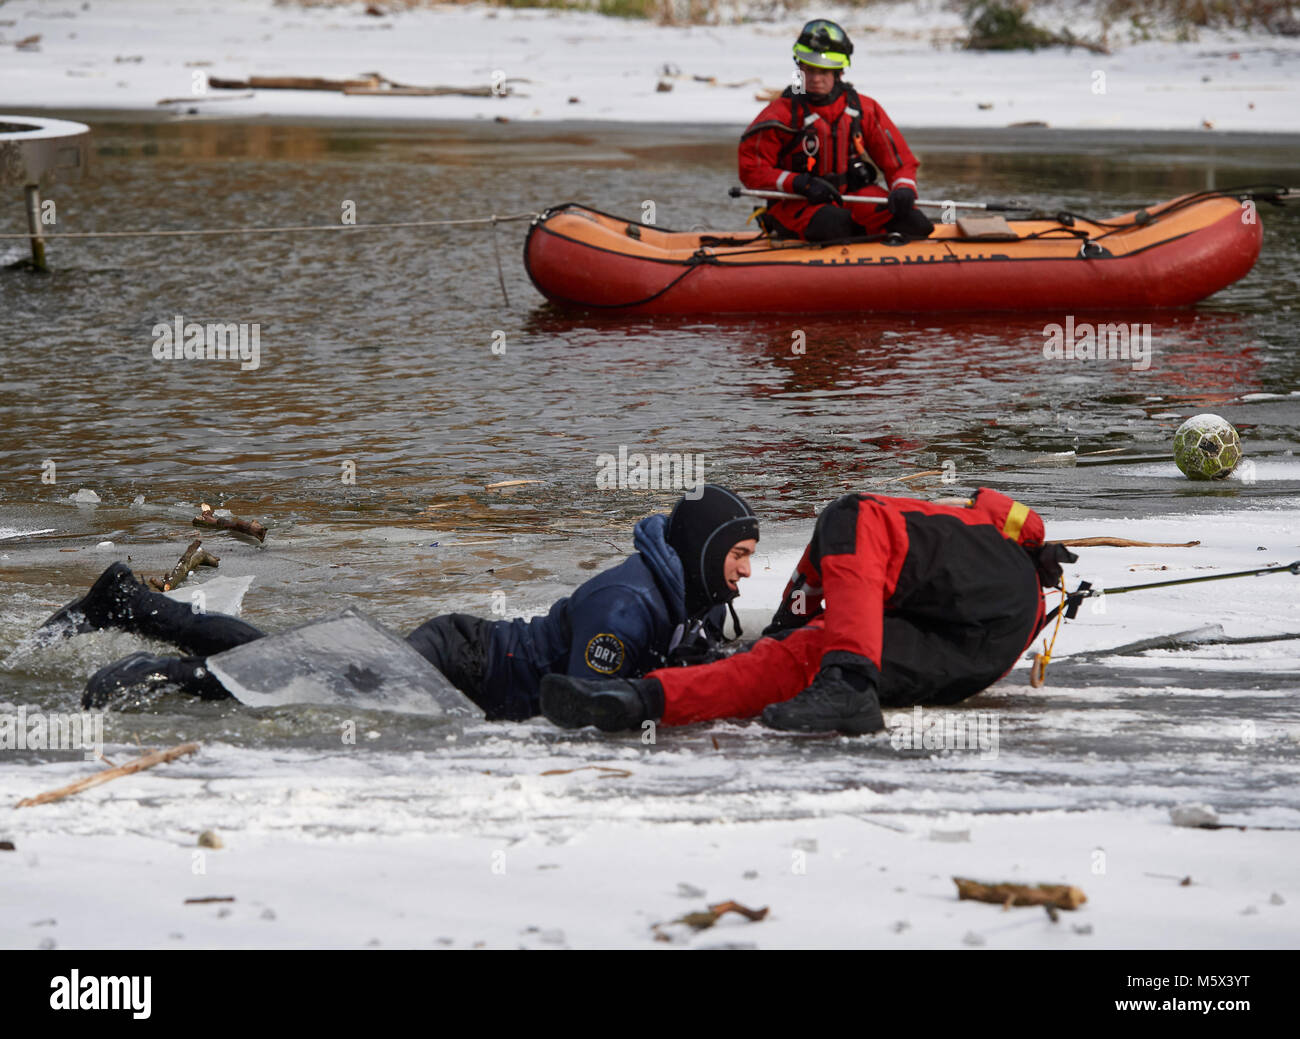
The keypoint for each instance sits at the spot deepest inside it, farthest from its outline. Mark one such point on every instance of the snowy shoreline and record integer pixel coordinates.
(843, 882)
(504, 835)
(129, 56)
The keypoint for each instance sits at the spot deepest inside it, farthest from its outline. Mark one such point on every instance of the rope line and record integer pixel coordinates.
(494, 219)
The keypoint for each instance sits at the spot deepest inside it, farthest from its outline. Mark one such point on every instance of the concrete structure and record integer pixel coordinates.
(35, 153)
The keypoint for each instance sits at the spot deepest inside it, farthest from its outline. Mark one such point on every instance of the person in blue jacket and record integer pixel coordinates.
(665, 604)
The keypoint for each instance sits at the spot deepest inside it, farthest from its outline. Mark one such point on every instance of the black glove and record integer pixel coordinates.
(861, 173)
(1047, 559)
(817, 191)
(901, 200)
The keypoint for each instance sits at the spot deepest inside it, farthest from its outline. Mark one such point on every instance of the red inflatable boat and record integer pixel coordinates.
(1169, 255)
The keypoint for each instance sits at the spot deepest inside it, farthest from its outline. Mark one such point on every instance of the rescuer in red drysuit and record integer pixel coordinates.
(896, 601)
(822, 140)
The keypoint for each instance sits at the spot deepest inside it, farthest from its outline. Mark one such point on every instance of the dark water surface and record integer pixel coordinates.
(376, 348)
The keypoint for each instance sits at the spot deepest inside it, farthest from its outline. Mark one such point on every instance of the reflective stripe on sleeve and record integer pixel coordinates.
(1016, 517)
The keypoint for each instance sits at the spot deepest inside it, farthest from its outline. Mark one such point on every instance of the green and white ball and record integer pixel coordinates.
(1206, 447)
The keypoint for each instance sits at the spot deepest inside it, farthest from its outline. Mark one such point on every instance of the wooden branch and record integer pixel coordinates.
(249, 528)
(382, 86)
(508, 483)
(735, 907)
(703, 920)
(609, 773)
(710, 916)
(1125, 543)
(292, 83)
(193, 557)
(398, 91)
(203, 99)
(915, 476)
(1060, 896)
(158, 757)
(1081, 462)
(363, 86)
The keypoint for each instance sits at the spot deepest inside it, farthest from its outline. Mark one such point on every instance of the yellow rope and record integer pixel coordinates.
(1045, 657)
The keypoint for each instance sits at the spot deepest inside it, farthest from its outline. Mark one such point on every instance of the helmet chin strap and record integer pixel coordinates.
(731, 605)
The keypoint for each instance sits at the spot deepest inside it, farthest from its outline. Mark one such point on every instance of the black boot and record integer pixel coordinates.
(840, 698)
(118, 600)
(110, 599)
(610, 704)
(144, 672)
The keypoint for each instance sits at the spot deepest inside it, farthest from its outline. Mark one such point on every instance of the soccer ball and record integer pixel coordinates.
(1206, 447)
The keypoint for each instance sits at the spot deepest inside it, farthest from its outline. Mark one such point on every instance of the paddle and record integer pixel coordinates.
(992, 207)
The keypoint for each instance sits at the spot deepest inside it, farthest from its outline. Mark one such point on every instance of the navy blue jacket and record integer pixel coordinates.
(622, 623)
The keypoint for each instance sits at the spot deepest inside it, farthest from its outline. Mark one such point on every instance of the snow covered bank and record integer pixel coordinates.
(503, 835)
(131, 54)
(882, 882)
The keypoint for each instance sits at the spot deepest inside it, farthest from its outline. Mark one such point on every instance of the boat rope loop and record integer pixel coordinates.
(689, 266)
(1277, 194)
(474, 221)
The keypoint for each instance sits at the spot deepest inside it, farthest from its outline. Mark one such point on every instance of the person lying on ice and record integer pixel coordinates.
(826, 140)
(895, 602)
(664, 604)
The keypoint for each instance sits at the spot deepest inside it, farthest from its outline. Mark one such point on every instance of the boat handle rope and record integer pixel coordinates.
(160, 233)
(492, 220)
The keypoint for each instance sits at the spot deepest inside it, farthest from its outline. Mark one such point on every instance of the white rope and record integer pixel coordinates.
(272, 230)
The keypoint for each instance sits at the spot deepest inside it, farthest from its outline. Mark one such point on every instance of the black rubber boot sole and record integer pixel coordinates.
(861, 724)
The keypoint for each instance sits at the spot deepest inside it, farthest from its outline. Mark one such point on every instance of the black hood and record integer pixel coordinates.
(702, 532)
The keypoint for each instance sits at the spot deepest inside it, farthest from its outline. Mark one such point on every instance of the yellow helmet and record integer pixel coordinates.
(823, 45)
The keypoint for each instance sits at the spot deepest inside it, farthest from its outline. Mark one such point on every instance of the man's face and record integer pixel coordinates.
(817, 81)
(736, 565)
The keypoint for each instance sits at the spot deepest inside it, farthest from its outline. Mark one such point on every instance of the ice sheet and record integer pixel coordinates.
(347, 659)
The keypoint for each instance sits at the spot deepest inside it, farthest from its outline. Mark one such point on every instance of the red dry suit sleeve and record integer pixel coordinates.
(741, 685)
(760, 149)
(887, 148)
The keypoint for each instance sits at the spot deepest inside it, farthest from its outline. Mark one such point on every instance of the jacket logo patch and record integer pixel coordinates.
(605, 653)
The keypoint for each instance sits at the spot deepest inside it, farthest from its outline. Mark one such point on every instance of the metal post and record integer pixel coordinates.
(33, 192)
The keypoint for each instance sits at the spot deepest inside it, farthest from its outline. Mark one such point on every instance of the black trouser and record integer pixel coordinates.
(156, 616)
(455, 643)
(932, 662)
(831, 223)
